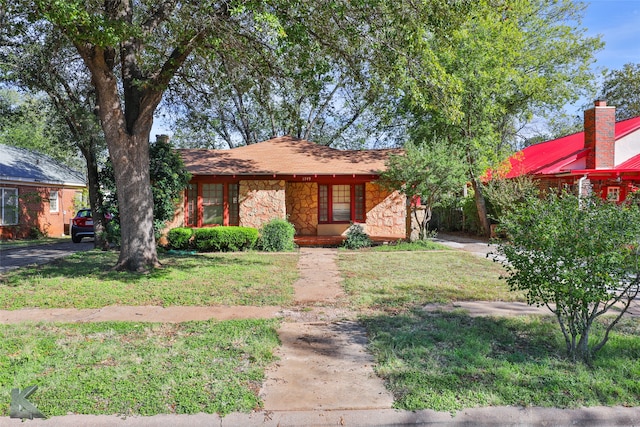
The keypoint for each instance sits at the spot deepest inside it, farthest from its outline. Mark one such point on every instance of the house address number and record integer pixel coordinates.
(306, 178)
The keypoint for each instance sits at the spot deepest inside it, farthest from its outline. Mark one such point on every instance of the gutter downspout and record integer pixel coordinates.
(580, 184)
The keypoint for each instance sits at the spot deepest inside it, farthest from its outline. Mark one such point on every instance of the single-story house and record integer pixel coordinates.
(37, 194)
(604, 158)
(320, 190)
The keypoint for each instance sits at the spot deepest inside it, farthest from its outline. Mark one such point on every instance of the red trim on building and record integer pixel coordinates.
(352, 202)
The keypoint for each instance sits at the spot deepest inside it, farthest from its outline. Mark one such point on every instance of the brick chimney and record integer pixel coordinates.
(599, 135)
(162, 138)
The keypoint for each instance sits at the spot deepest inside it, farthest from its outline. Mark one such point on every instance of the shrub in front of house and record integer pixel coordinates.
(277, 235)
(179, 238)
(356, 238)
(224, 238)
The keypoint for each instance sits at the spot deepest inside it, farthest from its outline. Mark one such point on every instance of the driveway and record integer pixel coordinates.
(39, 254)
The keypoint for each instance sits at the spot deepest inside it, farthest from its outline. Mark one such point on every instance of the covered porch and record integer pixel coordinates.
(334, 241)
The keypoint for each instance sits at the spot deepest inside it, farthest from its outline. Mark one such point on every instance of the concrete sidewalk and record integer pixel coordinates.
(487, 416)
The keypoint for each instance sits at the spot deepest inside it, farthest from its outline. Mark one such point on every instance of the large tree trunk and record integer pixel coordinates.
(126, 117)
(127, 137)
(130, 158)
(481, 206)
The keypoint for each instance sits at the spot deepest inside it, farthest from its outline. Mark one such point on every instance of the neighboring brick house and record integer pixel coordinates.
(604, 158)
(36, 194)
(320, 190)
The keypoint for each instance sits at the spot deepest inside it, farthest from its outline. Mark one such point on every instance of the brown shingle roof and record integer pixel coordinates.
(284, 156)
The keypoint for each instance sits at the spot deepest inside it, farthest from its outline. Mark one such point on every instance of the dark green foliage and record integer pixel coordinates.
(356, 238)
(504, 195)
(277, 235)
(169, 178)
(471, 223)
(621, 88)
(179, 238)
(224, 239)
(29, 121)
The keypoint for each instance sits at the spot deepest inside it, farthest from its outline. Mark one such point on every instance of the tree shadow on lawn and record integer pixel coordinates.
(450, 361)
(97, 265)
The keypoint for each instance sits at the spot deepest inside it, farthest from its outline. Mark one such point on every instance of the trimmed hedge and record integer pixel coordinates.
(277, 235)
(224, 238)
(179, 238)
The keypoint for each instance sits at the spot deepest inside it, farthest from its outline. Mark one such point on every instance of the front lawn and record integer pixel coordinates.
(84, 280)
(137, 368)
(401, 280)
(440, 361)
(450, 361)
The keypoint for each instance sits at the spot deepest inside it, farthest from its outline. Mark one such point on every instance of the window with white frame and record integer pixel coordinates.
(53, 201)
(613, 194)
(8, 206)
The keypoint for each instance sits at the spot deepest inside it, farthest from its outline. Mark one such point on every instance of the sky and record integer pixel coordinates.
(618, 24)
(617, 21)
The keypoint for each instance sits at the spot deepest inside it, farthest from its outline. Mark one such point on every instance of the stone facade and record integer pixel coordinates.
(261, 201)
(302, 207)
(386, 212)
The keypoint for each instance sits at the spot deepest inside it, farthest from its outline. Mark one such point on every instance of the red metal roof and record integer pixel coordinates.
(555, 156)
(632, 163)
(285, 156)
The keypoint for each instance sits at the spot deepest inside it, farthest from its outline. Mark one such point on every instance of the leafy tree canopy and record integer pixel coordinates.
(30, 122)
(621, 88)
(431, 172)
(511, 61)
(472, 65)
(132, 50)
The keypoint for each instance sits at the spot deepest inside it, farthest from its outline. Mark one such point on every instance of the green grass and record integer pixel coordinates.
(419, 245)
(450, 361)
(84, 280)
(440, 361)
(398, 281)
(10, 244)
(137, 368)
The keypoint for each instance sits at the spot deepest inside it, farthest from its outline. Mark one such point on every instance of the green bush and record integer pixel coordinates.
(277, 235)
(356, 238)
(471, 222)
(224, 238)
(179, 238)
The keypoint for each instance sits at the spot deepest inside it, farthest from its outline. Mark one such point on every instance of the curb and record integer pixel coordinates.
(487, 416)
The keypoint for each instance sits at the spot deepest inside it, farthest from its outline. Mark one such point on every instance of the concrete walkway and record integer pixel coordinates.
(324, 376)
(324, 365)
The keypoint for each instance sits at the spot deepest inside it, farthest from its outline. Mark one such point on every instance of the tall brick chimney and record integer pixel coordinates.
(599, 135)
(162, 138)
